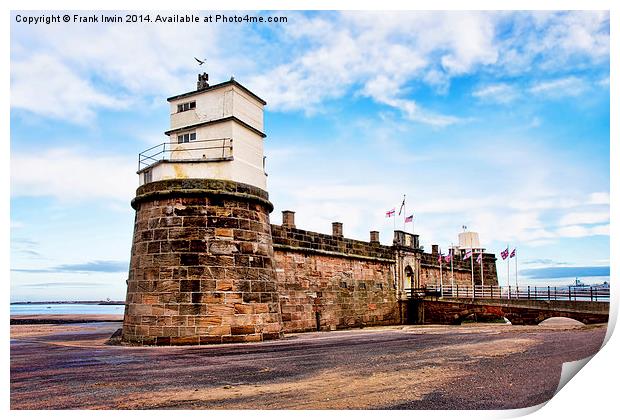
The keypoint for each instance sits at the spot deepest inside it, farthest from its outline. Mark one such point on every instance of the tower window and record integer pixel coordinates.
(186, 106)
(148, 176)
(186, 138)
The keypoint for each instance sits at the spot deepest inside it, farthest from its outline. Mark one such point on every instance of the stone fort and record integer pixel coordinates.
(207, 266)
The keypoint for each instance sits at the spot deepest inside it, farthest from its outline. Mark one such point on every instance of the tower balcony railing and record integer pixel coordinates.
(211, 150)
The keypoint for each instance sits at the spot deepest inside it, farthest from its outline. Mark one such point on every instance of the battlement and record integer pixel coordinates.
(313, 242)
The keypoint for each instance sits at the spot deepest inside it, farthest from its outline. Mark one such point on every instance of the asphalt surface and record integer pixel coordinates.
(482, 366)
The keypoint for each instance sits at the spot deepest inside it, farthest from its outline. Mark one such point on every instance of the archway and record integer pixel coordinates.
(481, 315)
(409, 281)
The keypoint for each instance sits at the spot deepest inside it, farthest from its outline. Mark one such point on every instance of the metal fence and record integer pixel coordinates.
(570, 293)
(200, 150)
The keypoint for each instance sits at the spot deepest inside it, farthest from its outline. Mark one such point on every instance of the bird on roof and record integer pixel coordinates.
(200, 62)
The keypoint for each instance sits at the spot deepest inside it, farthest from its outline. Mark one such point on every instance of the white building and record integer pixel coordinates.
(216, 132)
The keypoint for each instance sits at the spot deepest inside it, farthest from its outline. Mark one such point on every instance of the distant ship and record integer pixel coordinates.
(579, 283)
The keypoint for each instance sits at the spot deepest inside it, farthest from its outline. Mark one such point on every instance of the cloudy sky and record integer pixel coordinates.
(497, 121)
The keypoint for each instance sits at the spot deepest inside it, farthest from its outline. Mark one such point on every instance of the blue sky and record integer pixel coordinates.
(498, 121)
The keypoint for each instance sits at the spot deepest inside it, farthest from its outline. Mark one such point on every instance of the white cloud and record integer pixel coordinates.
(577, 231)
(502, 93)
(413, 112)
(580, 218)
(503, 216)
(559, 88)
(382, 52)
(71, 175)
(535, 122)
(16, 224)
(598, 198)
(579, 33)
(553, 41)
(326, 57)
(44, 85)
(603, 82)
(72, 74)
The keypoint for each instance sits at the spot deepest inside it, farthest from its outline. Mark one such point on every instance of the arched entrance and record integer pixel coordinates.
(409, 281)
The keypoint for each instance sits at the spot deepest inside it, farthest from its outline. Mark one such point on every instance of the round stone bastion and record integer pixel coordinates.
(202, 267)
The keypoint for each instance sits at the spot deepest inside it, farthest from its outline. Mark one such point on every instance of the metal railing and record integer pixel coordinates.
(209, 150)
(570, 293)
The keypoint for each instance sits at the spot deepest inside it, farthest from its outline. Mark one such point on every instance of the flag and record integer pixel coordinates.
(504, 254)
(447, 258)
(513, 253)
(479, 258)
(409, 219)
(440, 257)
(390, 213)
(468, 254)
(401, 206)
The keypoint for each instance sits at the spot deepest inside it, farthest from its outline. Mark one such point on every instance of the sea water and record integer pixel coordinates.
(65, 308)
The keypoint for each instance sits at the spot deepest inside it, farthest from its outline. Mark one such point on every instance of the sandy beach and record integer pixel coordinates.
(477, 366)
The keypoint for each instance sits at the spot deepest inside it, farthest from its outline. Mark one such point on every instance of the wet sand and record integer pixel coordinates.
(63, 319)
(475, 366)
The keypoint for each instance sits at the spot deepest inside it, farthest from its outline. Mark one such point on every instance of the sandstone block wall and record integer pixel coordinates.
(330, 282)
(207, 267)
(201, 268)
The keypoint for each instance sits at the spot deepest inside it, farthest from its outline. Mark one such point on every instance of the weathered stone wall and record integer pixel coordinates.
(330, 282)
(518, 312)
(430, 273)
(207, 267)
(201, 268)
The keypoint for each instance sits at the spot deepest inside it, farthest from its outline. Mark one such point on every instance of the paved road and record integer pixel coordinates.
(414, 367)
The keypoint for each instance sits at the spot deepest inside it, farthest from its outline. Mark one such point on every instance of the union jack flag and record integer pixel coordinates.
(468, 254)
(390, 213)
(447, 258)
(409, 219)
(479, 258)
(504, 254)
(513, 253)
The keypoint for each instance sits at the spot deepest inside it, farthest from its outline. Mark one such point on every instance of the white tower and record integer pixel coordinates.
(470, 240)
(216, 132)
(202, 269)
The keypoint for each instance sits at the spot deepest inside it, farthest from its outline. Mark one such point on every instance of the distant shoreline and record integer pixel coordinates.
(77, 302)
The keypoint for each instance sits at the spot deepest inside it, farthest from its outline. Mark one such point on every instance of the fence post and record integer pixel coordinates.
(474, 291)
(491, 291)
(528, 292)
(591, 295)
(509, 292)
(569, 297)
(555, 292)
(457, 291)
(548, 292)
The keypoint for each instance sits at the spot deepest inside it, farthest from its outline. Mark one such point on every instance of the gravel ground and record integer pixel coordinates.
(475, 366)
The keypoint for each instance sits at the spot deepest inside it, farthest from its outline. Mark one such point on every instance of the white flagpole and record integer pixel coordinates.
(508, 265)
(404, 212)
(473, 285)
(440, 274)
(482, 271)
(452, 267)
(516, 270)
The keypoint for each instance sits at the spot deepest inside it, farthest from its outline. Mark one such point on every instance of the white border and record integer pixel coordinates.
(591, 394)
